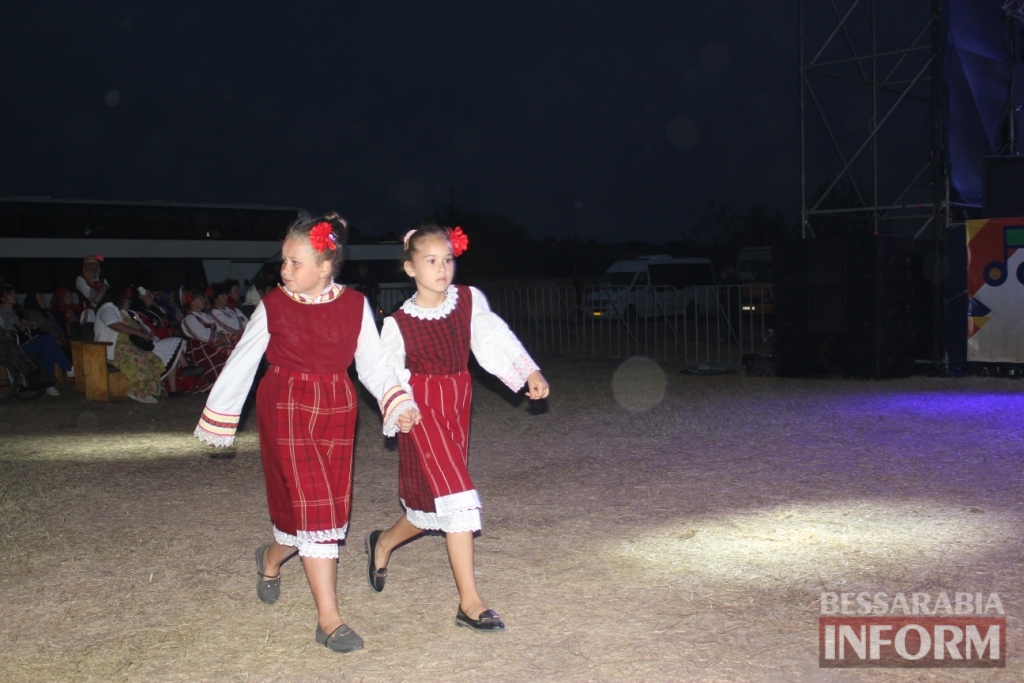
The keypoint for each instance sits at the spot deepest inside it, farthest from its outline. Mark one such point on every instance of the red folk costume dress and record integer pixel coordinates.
(201, 330)
(429, 348)
(306, 406)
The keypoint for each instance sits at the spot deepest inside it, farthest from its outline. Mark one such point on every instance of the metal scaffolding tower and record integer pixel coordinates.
(872, 153)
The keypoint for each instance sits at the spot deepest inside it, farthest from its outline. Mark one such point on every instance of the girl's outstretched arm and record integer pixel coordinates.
(496, 347)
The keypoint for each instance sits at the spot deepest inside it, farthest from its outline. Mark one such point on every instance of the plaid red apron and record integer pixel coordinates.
(307, 406)
(306, 427)
(433, 457)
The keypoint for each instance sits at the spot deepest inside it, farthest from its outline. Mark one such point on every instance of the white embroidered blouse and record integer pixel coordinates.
(494, 345)
(229, 393)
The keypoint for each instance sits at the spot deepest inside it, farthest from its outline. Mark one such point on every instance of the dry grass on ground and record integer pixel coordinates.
(652, 525)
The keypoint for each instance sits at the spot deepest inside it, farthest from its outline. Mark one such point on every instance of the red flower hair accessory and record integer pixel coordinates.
(322, 236)
(459, 240)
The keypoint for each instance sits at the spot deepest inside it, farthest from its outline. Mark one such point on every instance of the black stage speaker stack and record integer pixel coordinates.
(844, 306)
(1002, 187)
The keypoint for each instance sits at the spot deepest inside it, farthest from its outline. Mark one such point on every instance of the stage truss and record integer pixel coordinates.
(870, 83)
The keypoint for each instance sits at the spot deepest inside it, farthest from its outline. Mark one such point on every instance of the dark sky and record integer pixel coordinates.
(629, 118)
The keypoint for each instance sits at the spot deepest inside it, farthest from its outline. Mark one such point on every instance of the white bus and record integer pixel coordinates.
(160, 244)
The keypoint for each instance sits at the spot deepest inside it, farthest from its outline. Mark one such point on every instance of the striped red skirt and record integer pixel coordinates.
(306, 427)
(434, 456)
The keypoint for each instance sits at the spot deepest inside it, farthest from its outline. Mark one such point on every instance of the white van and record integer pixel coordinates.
(651, 286)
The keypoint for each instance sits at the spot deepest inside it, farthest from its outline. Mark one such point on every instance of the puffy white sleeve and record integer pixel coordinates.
(376, 374)
(219, 421)
(394, 350)
(496, 347)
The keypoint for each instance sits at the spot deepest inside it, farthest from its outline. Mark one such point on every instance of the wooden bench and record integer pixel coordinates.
(97, 379)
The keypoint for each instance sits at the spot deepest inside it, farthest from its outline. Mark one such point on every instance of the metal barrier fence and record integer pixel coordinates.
(720, 325)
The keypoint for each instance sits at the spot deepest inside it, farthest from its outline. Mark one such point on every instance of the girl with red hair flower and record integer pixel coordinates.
(428, 341)
(311, 331)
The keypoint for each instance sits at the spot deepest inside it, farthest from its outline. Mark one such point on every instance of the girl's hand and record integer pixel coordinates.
(537, 386)
(408, 419)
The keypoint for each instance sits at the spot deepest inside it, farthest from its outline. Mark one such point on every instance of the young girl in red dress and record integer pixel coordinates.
(311, 330)
(428, 341)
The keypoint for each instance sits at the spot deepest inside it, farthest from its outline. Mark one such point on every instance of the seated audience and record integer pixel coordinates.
(234, 293)
(36, 310)
(143, 369)
(152, 315)
(230, 320)
(35, 343)
(170, 349)
(67, 311)
(24, 369)
(267, 278)
(91, 287)
(168, 300)
(209, 346)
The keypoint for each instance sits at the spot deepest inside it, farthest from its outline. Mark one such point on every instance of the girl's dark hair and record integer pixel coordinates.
(136, 303)
(32, 302)
(301, 228)
(117, 295)
(418, 234)
(190, 295)
(219, 288)
(6, 289)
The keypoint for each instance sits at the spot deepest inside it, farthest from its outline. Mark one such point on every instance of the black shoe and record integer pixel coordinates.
(223, 454)
(342, 640)
(488, 621)
(376, 576)
(267, 590)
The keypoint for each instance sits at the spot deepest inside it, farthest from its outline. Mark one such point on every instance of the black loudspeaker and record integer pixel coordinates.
(844, 305)
(1002, 189)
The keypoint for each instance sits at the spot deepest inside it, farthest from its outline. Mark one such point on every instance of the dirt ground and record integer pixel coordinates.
(652, 525)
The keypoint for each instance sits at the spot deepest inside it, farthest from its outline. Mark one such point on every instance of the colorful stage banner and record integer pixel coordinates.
(995, 290)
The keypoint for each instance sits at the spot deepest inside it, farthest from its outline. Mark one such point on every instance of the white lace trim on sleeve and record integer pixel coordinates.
(218, 440)
(515, 377)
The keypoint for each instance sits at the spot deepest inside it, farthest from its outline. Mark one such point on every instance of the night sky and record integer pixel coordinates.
(626, 119)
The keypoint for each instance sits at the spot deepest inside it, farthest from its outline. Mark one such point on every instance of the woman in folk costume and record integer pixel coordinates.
(428, 341)
(169, 348)
(143, 369)
(67, 310)
(91, 287)
(311, 330)
(230, 319)
(144, 308)
(209, 347)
